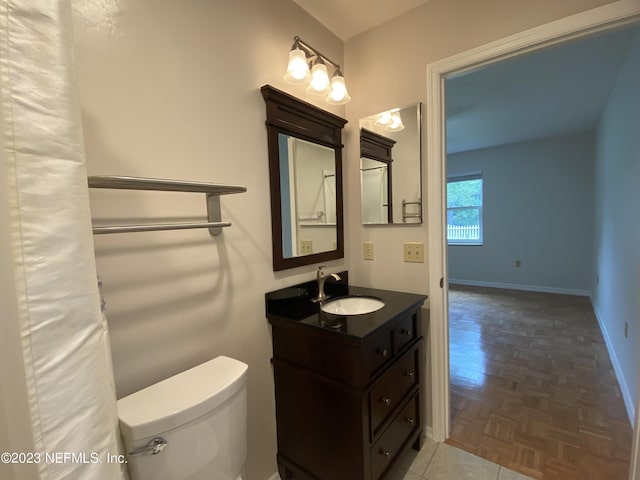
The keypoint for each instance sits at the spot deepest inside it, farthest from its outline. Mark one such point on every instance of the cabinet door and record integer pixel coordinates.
(320, 426)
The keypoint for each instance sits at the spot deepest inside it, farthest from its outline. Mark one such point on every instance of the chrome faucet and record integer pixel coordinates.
(321, 278)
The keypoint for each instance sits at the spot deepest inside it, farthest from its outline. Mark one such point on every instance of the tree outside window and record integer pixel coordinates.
(464, 210)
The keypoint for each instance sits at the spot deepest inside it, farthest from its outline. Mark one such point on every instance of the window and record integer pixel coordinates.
(464, 209)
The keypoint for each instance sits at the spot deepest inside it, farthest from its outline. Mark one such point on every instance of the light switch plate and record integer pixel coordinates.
(306, 247)
(414, 252)
(368, 250)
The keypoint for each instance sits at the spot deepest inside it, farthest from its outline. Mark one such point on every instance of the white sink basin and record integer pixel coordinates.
(352, 305)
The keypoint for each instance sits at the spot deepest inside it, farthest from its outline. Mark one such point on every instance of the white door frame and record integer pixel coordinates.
(575, 26)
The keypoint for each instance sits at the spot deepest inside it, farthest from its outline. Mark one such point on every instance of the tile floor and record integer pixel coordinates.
(439, 461)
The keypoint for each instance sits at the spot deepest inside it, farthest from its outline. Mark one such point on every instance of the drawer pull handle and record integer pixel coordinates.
(406, 332)
(383, 351)
(385, 453)
(386, 401)
(409, 373)
(410, 421)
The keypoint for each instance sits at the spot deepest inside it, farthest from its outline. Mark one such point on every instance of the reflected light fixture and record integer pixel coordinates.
(391, 120)
(306, 64)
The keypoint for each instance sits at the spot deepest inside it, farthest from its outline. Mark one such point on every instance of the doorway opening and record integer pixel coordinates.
(607, 17)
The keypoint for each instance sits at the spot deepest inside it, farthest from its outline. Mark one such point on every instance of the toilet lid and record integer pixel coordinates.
(180, 399)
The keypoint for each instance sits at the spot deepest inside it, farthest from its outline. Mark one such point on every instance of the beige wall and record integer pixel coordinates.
(385, 68)
(172, 90)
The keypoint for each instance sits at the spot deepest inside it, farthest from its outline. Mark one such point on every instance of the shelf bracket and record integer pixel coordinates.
(213, 213)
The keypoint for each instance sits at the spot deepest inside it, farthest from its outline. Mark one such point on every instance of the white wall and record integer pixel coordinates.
(386, 67)
(616, 296)
(172, 90)
(537, 208)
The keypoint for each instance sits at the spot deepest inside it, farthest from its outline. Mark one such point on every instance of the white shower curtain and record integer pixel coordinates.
(63, 335)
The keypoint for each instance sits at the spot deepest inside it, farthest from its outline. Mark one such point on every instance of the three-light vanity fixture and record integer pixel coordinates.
(306, 64)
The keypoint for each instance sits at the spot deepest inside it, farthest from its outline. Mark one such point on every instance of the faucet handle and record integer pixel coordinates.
(320, 272)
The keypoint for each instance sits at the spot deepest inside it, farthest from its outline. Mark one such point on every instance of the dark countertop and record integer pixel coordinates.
(293, 304)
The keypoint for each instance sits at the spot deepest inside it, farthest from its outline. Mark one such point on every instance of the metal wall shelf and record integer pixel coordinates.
(212, 191)
(406, 215)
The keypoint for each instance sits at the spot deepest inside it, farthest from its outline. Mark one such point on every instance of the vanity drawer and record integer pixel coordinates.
(389, 391)
(404, 332)
(378, 352)
(387, 447)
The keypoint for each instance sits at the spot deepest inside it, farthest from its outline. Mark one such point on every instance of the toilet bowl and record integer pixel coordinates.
(191, 426)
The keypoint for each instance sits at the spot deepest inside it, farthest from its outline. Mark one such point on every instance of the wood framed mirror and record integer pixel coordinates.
(305, 175)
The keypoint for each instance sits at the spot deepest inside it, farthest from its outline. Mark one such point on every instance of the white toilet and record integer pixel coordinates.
(192, 426)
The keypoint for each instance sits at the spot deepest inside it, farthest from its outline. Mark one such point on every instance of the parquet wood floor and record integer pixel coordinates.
(532, 386)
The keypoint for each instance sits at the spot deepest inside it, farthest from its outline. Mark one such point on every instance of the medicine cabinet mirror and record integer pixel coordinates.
(305, 172)
(391, 166)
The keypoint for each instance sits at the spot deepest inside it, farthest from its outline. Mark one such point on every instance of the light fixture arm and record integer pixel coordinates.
(312, 52)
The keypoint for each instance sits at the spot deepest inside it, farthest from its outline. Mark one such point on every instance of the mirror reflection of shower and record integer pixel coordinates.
(374, 181)
(311, 191)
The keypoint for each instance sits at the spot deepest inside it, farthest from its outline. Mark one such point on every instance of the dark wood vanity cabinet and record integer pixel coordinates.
(347, 406)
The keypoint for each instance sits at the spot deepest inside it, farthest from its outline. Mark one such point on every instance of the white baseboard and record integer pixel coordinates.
(517, 286)
(624, 388)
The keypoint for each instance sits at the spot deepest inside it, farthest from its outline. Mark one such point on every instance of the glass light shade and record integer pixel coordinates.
(338, 94)
(384, 118)
(319, 84)
(396, 123)
(298, 69)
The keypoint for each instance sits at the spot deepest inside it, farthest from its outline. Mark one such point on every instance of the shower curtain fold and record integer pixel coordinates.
(63, 333)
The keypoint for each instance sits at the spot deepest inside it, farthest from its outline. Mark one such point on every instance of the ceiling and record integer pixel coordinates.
(348, 18)
(554, 91)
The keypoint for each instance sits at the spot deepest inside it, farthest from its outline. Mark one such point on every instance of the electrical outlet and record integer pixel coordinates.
(368, 250)
(414, 252)
(518, 263)
(306, 247)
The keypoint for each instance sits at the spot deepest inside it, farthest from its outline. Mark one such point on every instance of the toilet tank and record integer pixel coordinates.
(200, 417)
